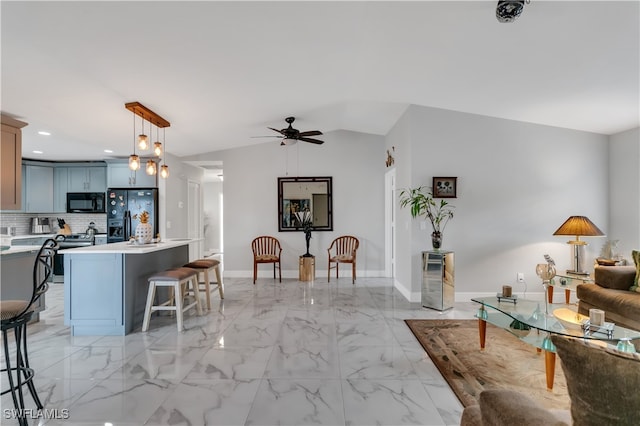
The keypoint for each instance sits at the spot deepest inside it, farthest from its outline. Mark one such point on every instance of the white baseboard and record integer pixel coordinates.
(291, 273)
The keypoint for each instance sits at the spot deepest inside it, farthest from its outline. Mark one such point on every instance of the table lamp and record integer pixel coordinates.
(578, 226)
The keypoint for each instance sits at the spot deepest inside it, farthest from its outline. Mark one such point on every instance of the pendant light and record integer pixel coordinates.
(134, 160)
(143, 142)
(164, 169)
(151, 167)
(157, 146)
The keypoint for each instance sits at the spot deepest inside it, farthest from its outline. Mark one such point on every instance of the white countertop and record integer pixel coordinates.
(126, 248)
(19, 249)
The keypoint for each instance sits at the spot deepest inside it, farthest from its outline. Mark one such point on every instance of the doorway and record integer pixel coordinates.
(390, 223)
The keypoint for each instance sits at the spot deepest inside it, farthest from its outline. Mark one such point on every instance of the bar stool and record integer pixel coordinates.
(15, 315)
(204, 266)
(177, 280)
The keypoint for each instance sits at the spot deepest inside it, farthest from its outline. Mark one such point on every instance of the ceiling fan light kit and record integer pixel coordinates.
(143, 141)
(290, 135)
(509, 10)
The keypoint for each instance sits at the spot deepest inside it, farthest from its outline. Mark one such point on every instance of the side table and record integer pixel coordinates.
(307, 268)
(569, 283)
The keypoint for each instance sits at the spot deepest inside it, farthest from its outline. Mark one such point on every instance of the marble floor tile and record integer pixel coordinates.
(388, 402)
(289, 353)
(297, 402)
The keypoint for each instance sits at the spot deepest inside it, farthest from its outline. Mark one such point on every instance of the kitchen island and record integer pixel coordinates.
(16, 275)
(106, 285)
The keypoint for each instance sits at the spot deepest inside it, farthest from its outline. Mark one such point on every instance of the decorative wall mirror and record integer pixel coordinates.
(300, 194)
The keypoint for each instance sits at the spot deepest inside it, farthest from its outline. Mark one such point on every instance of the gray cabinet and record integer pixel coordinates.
(60, 187)
(120, 176)
(438, 280)
(38, 189)
(87, 179)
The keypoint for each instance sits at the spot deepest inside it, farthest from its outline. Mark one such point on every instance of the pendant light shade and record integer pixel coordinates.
(151, 167)
(164, 171)
(134, 162)
(143, 140)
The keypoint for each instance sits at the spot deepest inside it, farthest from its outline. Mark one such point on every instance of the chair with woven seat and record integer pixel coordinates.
(266, 249)
(204, 266)
(15, 314)
(343, 250)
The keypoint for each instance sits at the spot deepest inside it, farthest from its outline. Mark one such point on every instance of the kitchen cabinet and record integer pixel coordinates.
(60, 187)
(11, 164)
(120, 176)
(87, 179)
(38, 192)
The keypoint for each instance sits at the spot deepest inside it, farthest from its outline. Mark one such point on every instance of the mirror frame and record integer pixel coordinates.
(281, 184)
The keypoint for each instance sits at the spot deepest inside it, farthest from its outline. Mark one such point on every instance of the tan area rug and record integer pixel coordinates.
(506, 362)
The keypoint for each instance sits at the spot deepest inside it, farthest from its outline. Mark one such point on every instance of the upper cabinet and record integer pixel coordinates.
(11, 164)
(38, 183)
(120, 176)
(87, 179)
(60, 186)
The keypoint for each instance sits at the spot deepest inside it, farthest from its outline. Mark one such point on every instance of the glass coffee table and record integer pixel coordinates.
(527, 320)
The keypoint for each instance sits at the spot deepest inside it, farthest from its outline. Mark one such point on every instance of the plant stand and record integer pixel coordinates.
(307, 268)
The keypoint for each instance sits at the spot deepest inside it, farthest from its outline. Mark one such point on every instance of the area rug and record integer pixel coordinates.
(506, 362)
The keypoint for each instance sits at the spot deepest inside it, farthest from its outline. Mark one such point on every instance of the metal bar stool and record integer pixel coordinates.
(15, 314)
(177, 280)
(204, 266)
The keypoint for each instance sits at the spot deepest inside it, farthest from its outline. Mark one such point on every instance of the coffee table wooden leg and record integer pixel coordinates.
(550, 368)
(567, 295)
(482, 330)
(550, 293)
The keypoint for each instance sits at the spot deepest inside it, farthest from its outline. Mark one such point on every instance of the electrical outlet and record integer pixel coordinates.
(520, 277)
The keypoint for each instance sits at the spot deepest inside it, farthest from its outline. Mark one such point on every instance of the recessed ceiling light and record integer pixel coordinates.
(108, 151)
(37, 152)
(43, 133)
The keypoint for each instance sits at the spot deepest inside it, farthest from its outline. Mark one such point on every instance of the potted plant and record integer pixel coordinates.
(421, 203)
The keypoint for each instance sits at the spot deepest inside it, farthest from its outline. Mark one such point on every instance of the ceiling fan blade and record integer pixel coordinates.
(311, 133)
(316, 141)
(276, 130)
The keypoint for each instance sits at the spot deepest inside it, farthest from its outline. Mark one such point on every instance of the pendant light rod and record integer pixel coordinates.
(144, 112)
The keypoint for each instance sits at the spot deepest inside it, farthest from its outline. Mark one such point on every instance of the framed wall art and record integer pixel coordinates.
(445, 187)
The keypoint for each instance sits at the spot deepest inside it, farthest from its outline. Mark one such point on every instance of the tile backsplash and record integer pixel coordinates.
(78, 222)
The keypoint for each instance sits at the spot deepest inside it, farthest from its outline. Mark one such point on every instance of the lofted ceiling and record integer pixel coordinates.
(221, 72)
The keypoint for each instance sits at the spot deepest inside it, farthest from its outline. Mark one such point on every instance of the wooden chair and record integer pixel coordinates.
(266, 250)
(344, 248)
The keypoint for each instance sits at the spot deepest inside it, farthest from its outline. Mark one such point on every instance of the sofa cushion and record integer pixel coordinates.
(616, 277)
(602, 383)
(622, 303)
(635, 254)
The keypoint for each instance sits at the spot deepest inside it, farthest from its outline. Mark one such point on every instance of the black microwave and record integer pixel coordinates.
(85, 202)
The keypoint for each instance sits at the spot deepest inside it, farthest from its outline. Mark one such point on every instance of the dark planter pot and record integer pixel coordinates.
(436, 240)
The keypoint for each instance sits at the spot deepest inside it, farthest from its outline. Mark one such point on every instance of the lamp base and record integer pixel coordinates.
(577, 272)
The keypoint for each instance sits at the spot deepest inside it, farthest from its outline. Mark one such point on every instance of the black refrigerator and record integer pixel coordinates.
(124, 206)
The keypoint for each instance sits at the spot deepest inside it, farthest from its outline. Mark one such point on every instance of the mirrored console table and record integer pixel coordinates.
(438, 283)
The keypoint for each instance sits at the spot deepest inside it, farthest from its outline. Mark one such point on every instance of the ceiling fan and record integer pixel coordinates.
(291, 135)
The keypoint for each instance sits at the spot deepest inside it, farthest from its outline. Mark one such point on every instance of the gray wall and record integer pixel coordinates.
(624, 191)
(356, 163)
(211, 192)
(517, 183)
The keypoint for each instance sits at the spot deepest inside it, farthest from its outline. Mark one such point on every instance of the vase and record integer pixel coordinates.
(436, 240)
(144, 233)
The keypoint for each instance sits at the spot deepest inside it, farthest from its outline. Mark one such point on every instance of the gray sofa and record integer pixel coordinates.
(611, 294)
